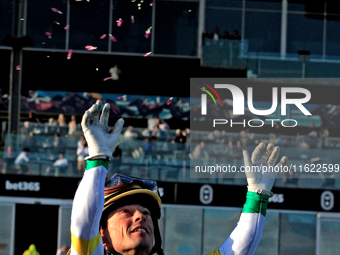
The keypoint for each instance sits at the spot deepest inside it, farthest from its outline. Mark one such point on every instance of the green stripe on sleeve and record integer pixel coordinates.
(255, 203)
(97, 162)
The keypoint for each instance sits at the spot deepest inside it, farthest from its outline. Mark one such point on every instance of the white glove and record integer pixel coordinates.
(100, 139)
(259, 180)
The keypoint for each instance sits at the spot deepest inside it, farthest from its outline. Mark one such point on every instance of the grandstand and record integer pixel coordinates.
(303, 215)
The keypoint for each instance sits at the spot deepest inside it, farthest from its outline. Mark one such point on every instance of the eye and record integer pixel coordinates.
(147, 212)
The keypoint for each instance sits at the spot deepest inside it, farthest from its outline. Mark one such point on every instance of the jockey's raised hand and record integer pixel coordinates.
(100, 138)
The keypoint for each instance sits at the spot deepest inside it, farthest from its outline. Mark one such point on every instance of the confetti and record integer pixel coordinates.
(114, 110)
(121, 97)
(107, 78)
(69, 54)
(147, 54)
(119, 22)
(132, 19)
(148, 32)
(48, 34)
(57, 23)
(151, 4)
(169, 101)
(89, 47)
(103, 36)
(66, 27)
(18, 67)
(56, 10)
(112, 38)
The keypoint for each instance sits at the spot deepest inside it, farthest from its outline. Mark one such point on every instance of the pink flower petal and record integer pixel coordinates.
(90, 47)
(119, 22)
(107, 78)
(151, 4)
(66, 27)
(112, 38)
(103, 36)
(56, 10)
(169, 101)
(48, 34)
(121, 97)
(69, 54)
(18, 67)
(114, 111)
(132, 19)
(147, 54)
(148, 32)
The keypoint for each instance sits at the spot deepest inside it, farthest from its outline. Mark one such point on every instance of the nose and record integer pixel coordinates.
(139, 216)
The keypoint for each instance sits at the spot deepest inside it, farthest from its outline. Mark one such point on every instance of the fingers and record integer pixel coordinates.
(104, 118)
(91, 115)
(283, 162)
(274, 155)
(117, 129)
(258, 152)
(267, 153)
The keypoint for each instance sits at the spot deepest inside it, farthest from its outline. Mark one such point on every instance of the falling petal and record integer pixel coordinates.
(169, 101)
(18, 67)
(147, 54)
(66, 27)
(148, 32)
(119, 22)
(151, 4)
(89, 47)
(103, 36)
(48, 34)
(69, 54)
(107, 78)
(112, 38)
(121, 97)
(56, 10)
(132, 19)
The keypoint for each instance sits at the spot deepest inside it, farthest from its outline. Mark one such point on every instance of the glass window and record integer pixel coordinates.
(263, 31)
(269, 244)
(218, 225)
(304, 34)
(6, 231)
(183, 228)
(45, 26)
(297, 233)
(333, 39)
(6, 9)
(131, 34)
(88, 22)
(224, 3)
(64, 226)
(223, 20)
(176, 30)
(256, 4)
(329, 236)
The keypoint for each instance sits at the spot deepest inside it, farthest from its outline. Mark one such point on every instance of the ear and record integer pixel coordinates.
(103, 235)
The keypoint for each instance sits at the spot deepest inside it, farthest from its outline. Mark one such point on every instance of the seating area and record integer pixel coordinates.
(166, 162)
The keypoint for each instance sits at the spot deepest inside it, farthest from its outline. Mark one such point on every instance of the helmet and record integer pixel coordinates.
(121, 190)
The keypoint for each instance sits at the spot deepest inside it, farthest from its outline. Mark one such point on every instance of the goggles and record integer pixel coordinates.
(119, 179)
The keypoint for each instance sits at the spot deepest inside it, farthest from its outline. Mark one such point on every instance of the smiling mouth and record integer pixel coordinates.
(139, 230)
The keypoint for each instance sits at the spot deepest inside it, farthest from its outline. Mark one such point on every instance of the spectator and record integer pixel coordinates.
(163, 126)
(312, 135)
(33, 117)
(72, 125)
(238, 152)
(21, 162)
(61, 120)
(129, 134)
(180, 140)
(199, 151)
(148, 149)
(235, 36)
(324, 134)
(204, 35)
(30, 142)
(226, 35)
(82, 153)
(156, 132)
(230, 151)
(58, 145)
(216, 35)
(61, 164)
(114, 71)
